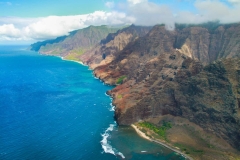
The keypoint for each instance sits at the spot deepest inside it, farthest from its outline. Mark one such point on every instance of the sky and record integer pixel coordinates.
(28, 21)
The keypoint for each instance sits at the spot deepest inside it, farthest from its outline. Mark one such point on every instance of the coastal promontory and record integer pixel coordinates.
(184, 81)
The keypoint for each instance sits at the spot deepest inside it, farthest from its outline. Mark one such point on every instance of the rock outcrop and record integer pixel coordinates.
(191, 73)
(105, 51)
(209, 45)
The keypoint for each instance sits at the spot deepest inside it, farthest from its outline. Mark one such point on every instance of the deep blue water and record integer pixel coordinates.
(56, 109)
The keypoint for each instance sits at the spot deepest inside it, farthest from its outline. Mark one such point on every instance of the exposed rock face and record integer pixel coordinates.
(168, 72)
(191, 72)
(210, 98)
(194, 42)
(208, 45)
(105, 51)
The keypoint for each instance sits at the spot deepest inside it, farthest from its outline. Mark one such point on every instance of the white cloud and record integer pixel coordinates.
(234, 1)
(136, 1)
(53, 26)
(148, 13)
(9, 30)
(139, 12)
(110, 4)
(217, 10)
(12, 28)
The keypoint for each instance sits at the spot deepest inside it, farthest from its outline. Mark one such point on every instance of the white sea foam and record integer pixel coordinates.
(95, 77)
(64, 59)
(108, 96)
(107, 148)
(120, 154)
(112, 107)
(74, 61)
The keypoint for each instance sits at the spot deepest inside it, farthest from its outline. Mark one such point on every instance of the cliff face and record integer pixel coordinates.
(207, 96)
(175, 73)
(191, 72)
(105, 51)
(76, 43)
(208, 45)
(211, 98)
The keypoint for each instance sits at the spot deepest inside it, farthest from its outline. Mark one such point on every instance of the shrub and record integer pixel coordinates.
(161, 131)
(119, 96)
(120, 79)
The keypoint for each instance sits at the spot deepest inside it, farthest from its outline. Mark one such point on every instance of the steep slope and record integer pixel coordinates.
(189, 76)
(112, 44)
(207, 44)
(198, 43)
(156, 79)
(76, 43)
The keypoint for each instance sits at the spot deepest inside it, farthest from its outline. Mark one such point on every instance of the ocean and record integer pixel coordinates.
(55, 109)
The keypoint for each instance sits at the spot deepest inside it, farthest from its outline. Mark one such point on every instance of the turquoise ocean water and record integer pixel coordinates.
(56, 109)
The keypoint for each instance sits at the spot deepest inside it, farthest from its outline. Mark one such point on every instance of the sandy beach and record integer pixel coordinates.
(143, 135)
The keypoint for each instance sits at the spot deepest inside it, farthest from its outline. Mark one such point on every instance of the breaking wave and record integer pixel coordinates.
(107, 148)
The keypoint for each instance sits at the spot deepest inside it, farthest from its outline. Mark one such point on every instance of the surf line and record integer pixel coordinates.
(106, 146)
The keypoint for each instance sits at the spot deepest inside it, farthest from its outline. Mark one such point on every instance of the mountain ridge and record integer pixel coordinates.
(76, 43)
(188, 75)
(154, 78)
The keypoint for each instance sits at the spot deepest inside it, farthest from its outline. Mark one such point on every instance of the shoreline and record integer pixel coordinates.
(79, 62)
(140, 133)
(107, 148)
(143, 135)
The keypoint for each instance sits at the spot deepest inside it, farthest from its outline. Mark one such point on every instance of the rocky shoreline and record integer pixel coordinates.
(138, 131)
(191, 74)
(165, 144)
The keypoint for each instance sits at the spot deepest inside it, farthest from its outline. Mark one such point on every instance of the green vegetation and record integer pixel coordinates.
(120, 79)
(72, 57)
(189, 149)
(161, 131)
(119, 96)
(77, 41)
(74, 54)
(79, 51)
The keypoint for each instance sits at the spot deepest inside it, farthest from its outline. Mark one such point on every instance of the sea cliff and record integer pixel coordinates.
(188, 77)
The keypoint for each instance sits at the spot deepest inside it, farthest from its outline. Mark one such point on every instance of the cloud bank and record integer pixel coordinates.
(12, 28)
(139, 12)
